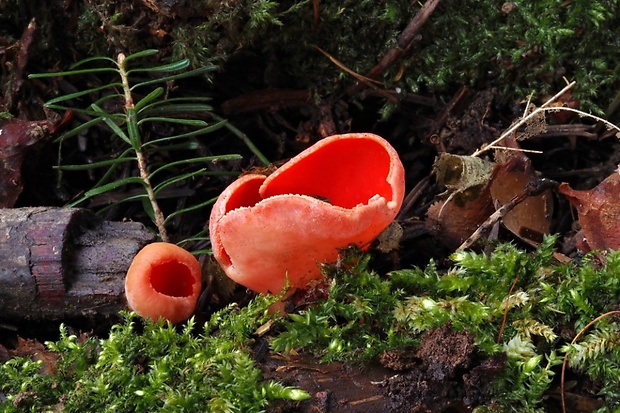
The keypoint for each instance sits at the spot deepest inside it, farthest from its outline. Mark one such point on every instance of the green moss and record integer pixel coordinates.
(366, 314)
(522, 47)
(159, 368)
(154, 368)
(527, 49)
(354, 322)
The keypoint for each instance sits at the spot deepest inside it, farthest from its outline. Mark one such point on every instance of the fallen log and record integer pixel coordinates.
(58, 263)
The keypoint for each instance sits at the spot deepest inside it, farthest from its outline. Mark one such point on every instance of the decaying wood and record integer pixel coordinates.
(59, 263)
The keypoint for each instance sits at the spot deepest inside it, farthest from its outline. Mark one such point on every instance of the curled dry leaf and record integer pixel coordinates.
(454, 219)
(599, 213)
(461, 173)
(530, 219)
(38, 352)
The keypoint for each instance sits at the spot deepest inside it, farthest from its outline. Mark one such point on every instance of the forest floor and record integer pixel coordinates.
(551, 156)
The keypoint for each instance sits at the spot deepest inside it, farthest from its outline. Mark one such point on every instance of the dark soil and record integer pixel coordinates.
(443, 374)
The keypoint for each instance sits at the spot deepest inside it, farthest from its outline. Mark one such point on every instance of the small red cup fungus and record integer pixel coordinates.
(163, 281)
(343, 190)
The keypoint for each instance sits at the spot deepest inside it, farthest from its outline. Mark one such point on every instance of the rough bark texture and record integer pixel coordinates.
(58, 263)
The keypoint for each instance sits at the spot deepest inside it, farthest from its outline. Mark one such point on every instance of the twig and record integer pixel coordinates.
(443, 117)
(506, 148)
(136, 142)
(501, 328)
(405, 40)
(524, 119)
(568, 130)
(266, 99)
(413, 196)
(362, 79)
(532, 189)
(316, 14)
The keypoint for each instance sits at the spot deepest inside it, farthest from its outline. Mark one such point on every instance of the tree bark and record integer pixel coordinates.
(58, 263)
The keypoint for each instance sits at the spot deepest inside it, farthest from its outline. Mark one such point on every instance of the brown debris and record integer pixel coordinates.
(599, 213)
(482, 194)
(17, 136)
(531, 218)
(335, 387)
(37, 352)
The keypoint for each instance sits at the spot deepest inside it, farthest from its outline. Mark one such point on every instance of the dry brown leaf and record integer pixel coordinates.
(530, 219)
(598, 210)
(37, 352)
(454, 220)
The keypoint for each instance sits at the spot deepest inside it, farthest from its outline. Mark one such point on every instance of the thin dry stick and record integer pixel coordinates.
(486, 225)
(413, 196)
(362, 79)
(316, 14)
(565, 362)
(353, 73)
(405, 40)
(524, 119)
(501, 328)
(608, 124)
(532, 189)
(545, 108)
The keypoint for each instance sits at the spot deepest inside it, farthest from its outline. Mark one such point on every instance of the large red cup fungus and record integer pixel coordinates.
(343, 190)
(163, 281)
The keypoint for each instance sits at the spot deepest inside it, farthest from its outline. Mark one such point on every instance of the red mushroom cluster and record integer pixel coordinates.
(267, 231)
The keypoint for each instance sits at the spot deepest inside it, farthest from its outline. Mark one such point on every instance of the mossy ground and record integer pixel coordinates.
(364, 317)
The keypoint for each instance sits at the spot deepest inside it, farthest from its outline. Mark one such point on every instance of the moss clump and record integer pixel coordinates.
(531, 323)
(156, 368)
(517, 306)
(523, 47)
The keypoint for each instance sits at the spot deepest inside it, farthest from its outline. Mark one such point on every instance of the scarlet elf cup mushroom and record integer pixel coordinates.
(163, 281)
(343, 190)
